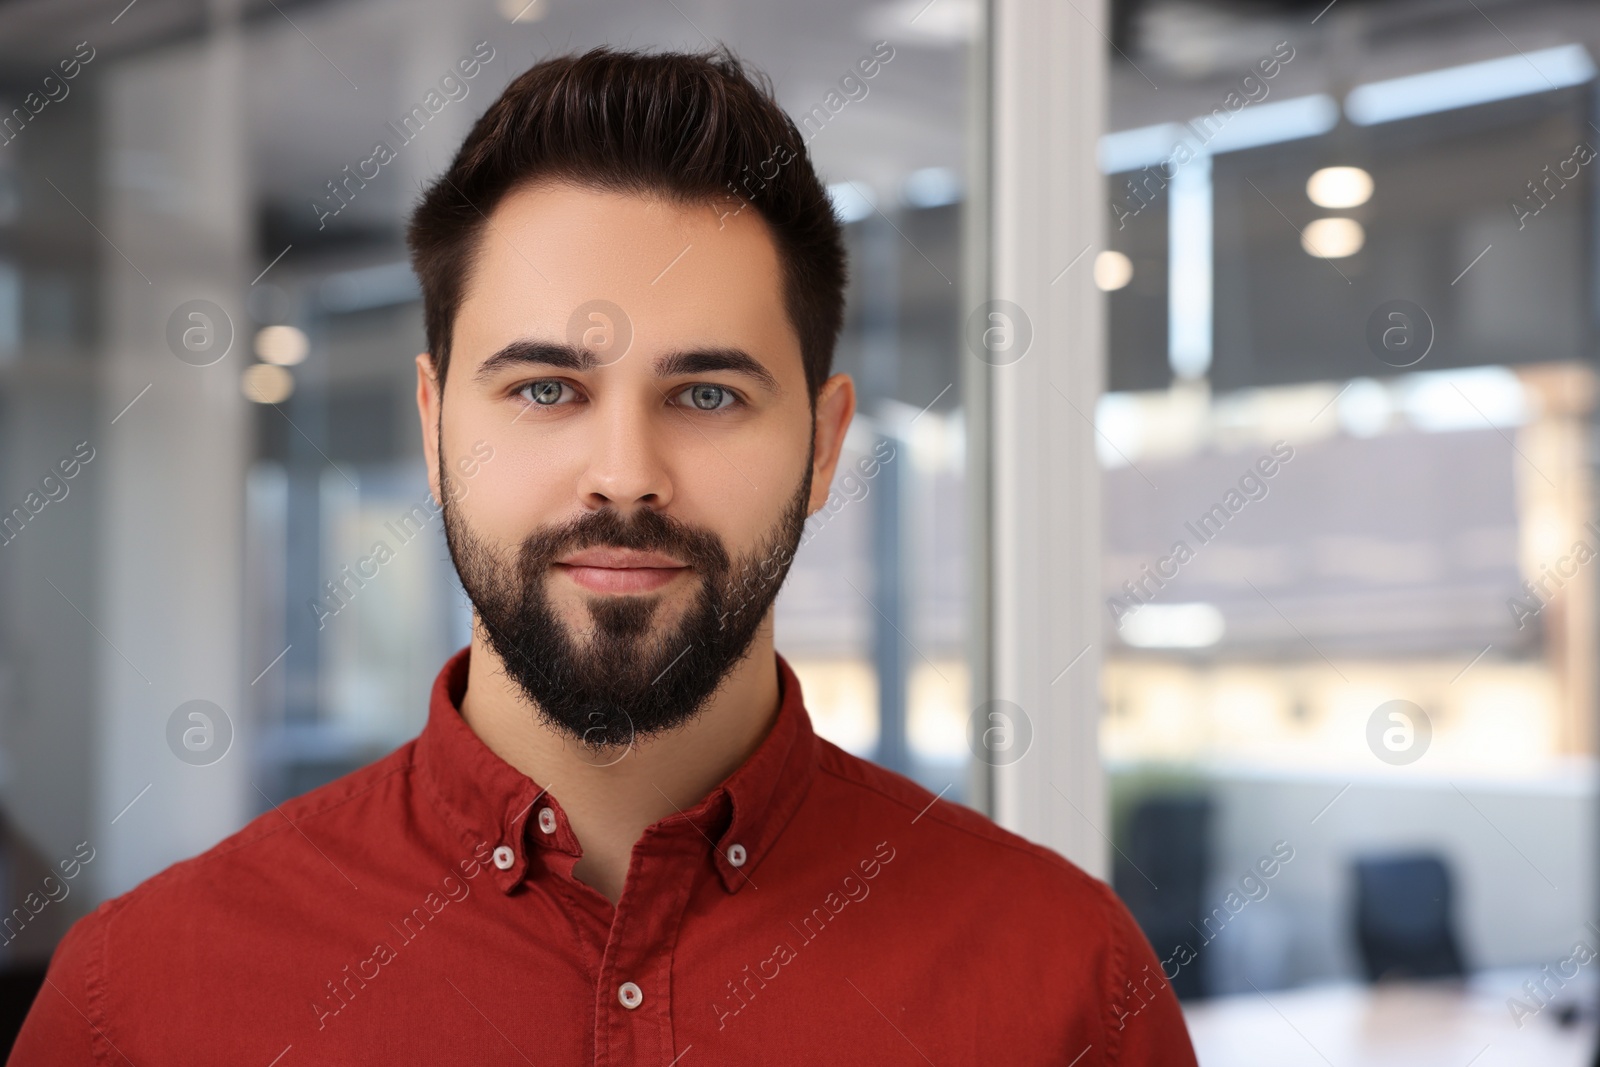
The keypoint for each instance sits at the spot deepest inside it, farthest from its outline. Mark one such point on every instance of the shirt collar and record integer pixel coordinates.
(489, 804)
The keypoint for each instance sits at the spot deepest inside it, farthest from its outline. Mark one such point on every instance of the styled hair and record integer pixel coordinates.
(691, 128)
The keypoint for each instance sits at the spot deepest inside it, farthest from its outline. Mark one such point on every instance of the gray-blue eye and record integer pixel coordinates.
(545, 392)
(708, 397)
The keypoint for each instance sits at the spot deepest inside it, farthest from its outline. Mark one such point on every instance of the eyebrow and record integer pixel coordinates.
(670, 365)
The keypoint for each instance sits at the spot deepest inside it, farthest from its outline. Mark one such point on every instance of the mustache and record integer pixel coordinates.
(647, 530)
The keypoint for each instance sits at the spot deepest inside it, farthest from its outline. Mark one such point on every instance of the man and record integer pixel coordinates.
(617, 839)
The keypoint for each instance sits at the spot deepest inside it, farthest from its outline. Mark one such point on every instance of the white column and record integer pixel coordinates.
(1047, 209)
(176, 209)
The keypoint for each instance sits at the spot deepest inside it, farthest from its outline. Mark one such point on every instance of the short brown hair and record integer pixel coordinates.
(689, 127)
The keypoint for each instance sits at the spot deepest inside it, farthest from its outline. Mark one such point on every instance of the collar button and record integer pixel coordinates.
(736, 855)
(504, 857)
(547, 820)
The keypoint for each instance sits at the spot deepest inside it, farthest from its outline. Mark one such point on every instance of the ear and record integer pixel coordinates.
(430, 397)
(836, 406)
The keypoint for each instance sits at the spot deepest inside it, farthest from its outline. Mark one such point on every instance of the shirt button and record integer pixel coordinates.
(504, 858)
(547, 820)
(736, 855)
(630, 995)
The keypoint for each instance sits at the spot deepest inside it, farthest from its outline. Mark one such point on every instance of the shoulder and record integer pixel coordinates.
(1020, 916)
(293, 849)
(969, 848)
(235, 900)
(964, 833)
(335, 818)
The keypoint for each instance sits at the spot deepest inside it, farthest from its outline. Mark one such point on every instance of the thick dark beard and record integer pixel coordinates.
(629, 680)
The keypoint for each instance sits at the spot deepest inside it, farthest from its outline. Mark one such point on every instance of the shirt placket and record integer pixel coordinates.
(633, 999)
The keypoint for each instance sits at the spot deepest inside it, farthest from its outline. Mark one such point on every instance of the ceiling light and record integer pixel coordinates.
(283, 345)
(524, 10)
(1339, 187)
(265, 383)
(1504, 78)
(1333, 238)
(1112, 270)
(1257, 125)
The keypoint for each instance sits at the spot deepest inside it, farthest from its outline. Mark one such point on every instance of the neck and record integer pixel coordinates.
(609, 807)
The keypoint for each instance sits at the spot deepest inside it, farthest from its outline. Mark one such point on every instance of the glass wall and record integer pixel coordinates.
(1349, 452)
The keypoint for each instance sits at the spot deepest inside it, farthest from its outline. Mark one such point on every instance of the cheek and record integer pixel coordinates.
(520, 490)
(728, 507)
(743, 486)
(518, 487)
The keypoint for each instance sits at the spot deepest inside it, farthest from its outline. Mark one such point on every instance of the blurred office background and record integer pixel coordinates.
(1369, 273)
(1374, 271)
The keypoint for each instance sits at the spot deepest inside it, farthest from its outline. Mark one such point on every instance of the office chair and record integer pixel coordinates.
(1404, 922)
(1168, 843)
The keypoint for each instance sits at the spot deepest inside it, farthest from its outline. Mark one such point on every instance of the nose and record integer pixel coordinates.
(625, 465)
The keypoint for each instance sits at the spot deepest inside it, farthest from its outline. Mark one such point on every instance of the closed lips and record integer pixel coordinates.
(621, 559)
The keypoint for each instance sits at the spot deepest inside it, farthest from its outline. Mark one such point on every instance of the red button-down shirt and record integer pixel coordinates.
(813, 908)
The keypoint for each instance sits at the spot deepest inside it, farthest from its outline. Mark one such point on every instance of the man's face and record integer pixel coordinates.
(632, 367)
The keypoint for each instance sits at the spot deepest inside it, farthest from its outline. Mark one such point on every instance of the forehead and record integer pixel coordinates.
(706, 273)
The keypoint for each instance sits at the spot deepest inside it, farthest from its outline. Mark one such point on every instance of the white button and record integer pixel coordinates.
(736, 855)
(547, 820)
(504, 857)
(630, 995)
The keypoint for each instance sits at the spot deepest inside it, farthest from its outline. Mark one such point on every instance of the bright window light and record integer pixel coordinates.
(1365, 408)
(1120, 420)
(932, 187)
(1196, 625)
(850, 201)
(1472, 83)
(1474, 398)
(1189, 263)
(1333, 238)
(1339, 187)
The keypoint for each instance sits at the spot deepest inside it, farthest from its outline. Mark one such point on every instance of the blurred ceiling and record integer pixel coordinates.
(324, 77)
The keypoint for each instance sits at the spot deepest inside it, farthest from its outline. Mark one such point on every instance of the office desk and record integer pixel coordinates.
(1404, 1025)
